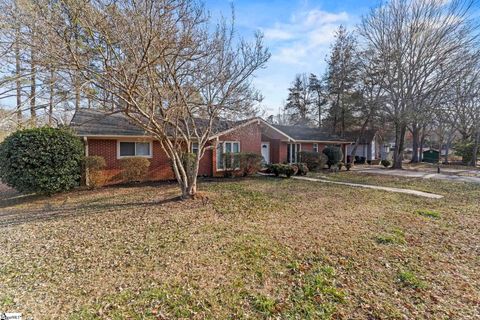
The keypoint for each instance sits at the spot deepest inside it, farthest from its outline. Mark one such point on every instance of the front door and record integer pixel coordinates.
(266, 152)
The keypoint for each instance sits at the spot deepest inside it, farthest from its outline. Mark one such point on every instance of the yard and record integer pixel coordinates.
(254, 248)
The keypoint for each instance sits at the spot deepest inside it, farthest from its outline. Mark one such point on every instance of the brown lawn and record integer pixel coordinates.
(260, 248)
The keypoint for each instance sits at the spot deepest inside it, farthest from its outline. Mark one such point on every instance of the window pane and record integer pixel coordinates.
(236, 147)
(143, 149)
(127, 149)
(195, 147)
(220, 156)
(228, 147)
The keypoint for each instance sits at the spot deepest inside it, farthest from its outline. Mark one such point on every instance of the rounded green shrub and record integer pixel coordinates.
(284, 169)
(385, 163)
(94, 166)
(134, 169)
(41, 160)
(315, 161)
(334, 155)
(289, 170)
(250, 163)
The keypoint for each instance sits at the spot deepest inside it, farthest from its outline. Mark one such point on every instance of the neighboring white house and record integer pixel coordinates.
(369, 148)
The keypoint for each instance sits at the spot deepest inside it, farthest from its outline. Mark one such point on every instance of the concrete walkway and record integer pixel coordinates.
(388, 189)
(420, 174)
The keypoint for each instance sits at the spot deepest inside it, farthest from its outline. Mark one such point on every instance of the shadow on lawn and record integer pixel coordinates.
(17, 208)
(52, 212)
(59, 207)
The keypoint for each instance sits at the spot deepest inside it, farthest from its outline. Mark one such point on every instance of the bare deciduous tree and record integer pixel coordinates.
(165, 66)
(419, 46)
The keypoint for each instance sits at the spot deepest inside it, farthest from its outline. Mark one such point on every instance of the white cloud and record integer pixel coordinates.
(277, 34)
(299, 43)
(307, 33)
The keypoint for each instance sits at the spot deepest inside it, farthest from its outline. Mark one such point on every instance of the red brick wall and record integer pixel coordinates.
(278, 149)
(160, 169)
(309, 147)
(205, 167)
(107, 148)
(250, 138)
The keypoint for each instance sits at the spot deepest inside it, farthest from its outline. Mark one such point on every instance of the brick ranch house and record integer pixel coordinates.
(113, 137)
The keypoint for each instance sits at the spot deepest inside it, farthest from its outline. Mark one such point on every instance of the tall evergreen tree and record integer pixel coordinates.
(317, 98)
(298, 101)
(341, 79)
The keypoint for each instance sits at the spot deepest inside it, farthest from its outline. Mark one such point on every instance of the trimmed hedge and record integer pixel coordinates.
(41, 160)
(334, 155)
(315, 161)
(282, 169)
(250, 163)
(94, 166)
(134, 169)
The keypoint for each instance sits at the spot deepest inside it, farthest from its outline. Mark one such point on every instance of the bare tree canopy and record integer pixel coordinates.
(418, 46)
(162, 63)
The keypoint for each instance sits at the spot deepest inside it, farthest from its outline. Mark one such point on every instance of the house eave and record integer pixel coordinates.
(320, 141)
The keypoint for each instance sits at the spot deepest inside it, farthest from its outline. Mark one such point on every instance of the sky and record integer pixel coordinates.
(299, 35)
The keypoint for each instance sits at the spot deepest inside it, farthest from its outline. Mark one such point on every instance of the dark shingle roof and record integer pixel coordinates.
(307, 133)
(89, 122)
(367, 136)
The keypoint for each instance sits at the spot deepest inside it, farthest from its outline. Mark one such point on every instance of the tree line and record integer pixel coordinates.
(411, 67)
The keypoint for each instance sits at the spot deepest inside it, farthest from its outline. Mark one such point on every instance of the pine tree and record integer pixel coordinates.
(341, 79)
(298, 102)
(317, 97)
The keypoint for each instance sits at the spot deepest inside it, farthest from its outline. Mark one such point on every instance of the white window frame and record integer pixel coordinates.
(315, 147)
(129, 141)
(294, 157)
(193, 147)
(223, 148)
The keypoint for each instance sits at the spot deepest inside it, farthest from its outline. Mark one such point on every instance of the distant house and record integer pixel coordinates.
(369, 146)
(113, 137)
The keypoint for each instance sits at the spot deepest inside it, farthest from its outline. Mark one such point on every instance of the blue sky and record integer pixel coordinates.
(298, 33)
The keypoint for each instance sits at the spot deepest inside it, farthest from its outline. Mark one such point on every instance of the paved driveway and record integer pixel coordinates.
(453, 174)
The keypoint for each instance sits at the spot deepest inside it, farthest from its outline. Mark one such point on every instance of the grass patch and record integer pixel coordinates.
(397, 236)
(409, 279)
(428, 213)
(259, 249)
(6, 301)
(172, 301)
(315, 294)
(247, 200)
(263, 304)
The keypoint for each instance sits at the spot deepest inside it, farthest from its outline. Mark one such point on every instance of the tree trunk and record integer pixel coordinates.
(33, 88)
(357, 141)
(400, 130)
(475, 149)
(422, 144)
(415, 144)
(51, 96)
(185, 170)
(18, 84)
(319, 112)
